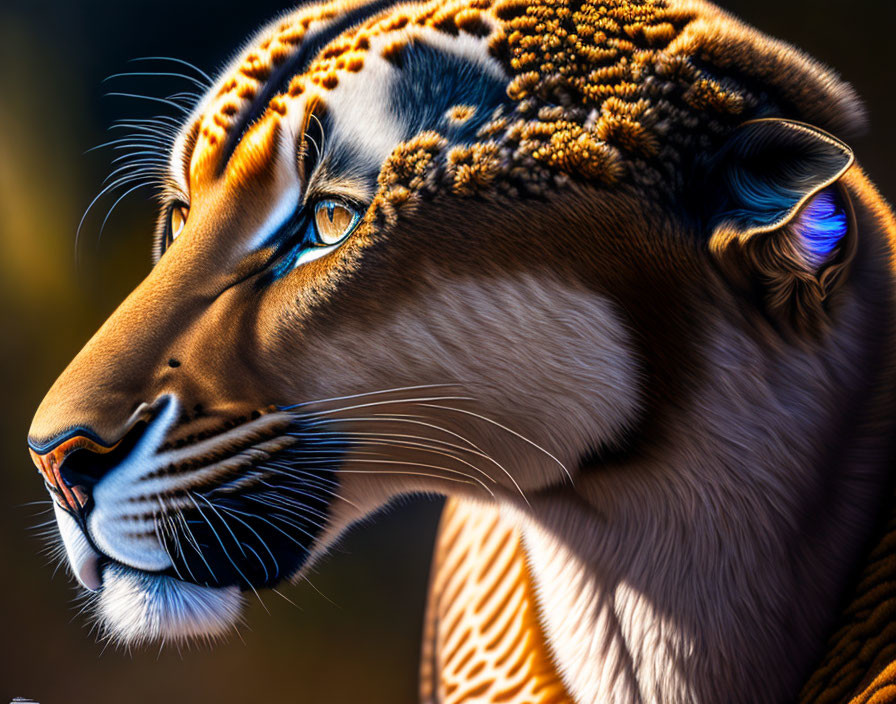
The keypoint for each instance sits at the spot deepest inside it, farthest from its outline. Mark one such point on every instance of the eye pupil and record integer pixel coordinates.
(333, 222)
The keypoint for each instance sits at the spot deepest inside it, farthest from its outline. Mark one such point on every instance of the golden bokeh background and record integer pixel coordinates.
(353, 636)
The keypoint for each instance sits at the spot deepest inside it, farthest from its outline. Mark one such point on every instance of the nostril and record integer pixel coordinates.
(85, 466)
(76, 465)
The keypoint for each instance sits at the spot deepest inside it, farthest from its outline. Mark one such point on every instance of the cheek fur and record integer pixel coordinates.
(549, 360)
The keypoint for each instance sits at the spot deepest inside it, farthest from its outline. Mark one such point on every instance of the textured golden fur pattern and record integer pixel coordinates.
(583, 298)
(483, 639)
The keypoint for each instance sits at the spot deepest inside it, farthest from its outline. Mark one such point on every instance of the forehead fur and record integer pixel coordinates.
(603, 90)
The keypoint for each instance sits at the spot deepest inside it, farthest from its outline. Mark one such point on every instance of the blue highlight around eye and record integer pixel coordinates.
(304, 249)
(821, 226)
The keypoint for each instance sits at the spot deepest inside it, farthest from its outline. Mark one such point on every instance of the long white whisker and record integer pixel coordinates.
(137, 96)
(134, 170)
(410, 474)
(235, 540)
(368, 393)
(275, 527)
(323, 136)
(157, 74)
(414, 420)
(162, 120)
(221, 543)
(424, 448)
(149, 156)
(185, 96)
(504, 427)
(260, 540)
(130, 140)
(177, 61)
(313, 415)
(352, 459)
(118, 200)
(161, 130)
(115, 184)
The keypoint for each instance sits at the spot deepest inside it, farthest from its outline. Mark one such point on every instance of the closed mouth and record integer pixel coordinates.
(242, 508)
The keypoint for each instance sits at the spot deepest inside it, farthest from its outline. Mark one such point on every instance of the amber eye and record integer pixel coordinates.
(176, 221)
(333, 221)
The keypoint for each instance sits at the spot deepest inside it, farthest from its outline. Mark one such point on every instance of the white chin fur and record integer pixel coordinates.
(136, 607)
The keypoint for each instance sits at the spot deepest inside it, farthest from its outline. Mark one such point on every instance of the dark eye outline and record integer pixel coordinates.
(313, 237)
(305, 244)
(170, 236)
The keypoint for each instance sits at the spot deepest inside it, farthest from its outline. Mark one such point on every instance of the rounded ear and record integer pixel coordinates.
(782, 226)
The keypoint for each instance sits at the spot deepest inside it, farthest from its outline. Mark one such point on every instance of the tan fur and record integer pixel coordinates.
(680, 423)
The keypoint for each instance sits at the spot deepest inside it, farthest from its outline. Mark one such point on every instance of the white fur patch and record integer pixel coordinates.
(547, 359)
(119, 523)
(361, 113)
(135, 607)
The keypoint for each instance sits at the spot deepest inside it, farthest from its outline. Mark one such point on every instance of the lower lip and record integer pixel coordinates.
(84, 560)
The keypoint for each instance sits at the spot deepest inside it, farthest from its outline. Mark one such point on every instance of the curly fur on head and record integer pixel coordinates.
(625, 233)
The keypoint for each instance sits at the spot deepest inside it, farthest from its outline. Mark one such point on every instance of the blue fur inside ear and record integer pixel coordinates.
(758, 202)
(821, 226)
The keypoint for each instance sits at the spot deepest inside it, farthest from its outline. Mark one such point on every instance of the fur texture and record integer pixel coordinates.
(585, 292)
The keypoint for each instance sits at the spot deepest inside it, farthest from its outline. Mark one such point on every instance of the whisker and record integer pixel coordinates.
(313, 415)
(186, 96)
(161, 538)
(411, 474)
(137, 96)
(312, 140)
(309, 509)
(186, 524)
(294, 507)
(166, 121)
(425, 448)
(260, 540)
(178, 517)
(43, 525)
(413, 420)
(134, 170)
(115, 204)
(162, 131)
(368, 393)
(177, 61)
(157, 74)
(112, 186)
(148, 156)
(275, 527)
(221, 543)
(311, 584)
(131, 140)
(267, 576)
(509, 430)
(283, 596)
(323, 136)
(351, 458)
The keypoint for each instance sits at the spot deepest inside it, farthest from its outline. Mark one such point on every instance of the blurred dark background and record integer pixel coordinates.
(354, 637)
